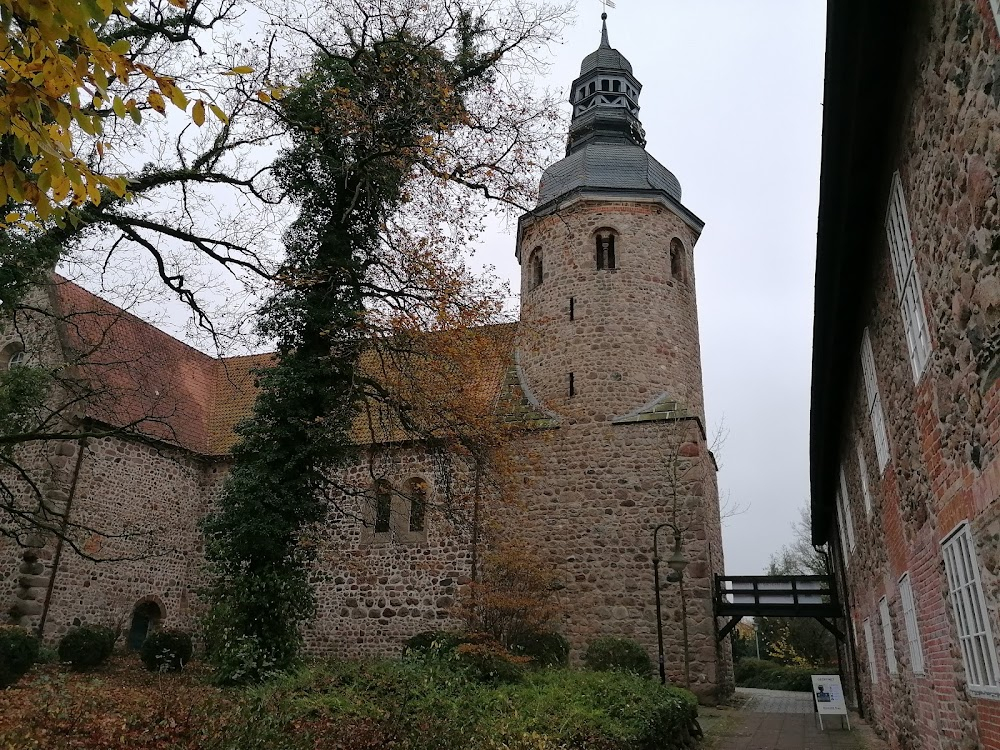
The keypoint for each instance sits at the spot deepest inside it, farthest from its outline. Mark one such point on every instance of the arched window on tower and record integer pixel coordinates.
(13, 356)
(678, 266)
(606, 259)
(535, 268)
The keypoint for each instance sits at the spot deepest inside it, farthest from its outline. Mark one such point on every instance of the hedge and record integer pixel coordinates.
(18, 651)
(758, 673)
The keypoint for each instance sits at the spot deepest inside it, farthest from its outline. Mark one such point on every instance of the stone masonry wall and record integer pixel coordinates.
(634, 333)
(944, 429)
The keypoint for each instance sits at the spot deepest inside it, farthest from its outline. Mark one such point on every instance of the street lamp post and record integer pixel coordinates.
(676, 563)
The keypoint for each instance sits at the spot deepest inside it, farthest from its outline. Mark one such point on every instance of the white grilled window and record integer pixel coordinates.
(874, 403)
(904, 268)
(863, 470)
(870, 648)
(968, 604)
(890, 646)
(844, 500)
(910, 621)
(842, 526)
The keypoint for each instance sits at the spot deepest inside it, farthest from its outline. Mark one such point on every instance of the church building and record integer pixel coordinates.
(602, 372)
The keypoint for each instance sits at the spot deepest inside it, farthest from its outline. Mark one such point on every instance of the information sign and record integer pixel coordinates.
(828, 695)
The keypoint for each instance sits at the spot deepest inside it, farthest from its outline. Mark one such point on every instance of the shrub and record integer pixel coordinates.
(18, 651)
(618, 655)
(602, 711)
(485, 660)
(544, 649)
(432, 642)
(771, 675)
(86, 646)
(166, 650)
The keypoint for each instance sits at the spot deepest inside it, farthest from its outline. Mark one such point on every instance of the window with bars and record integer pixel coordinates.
(870, 648)
(890, 645)
(874, 404)
(910, 622)
(968, 604)
(844, 500)
(863, 471)
(606, 250)
(842, 526)
(904, 269)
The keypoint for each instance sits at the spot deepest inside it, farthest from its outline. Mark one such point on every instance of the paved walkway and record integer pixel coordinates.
(780, 720)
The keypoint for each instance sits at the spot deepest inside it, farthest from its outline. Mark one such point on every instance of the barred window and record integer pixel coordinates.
(844, 501)
(968, 604)
(904, 269)
(863, 471)
(910, 621)
(890, 645)
(606, 250)
(870, 648)
(874, 403)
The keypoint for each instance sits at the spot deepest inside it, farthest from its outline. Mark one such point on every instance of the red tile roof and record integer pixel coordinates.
(146, 381)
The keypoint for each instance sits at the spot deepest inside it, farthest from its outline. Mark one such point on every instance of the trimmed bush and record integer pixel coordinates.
(758, 673)
(544, 649)
(617, 655)
(166, 650)
(18, 651)
(86, 646)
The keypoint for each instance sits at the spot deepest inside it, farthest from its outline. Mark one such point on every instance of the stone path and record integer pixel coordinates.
(780, 720)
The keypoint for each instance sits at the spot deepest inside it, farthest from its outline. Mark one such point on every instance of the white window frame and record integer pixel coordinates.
(874, 404)
(910, 622)
(841, 526)
(17, 359)
(904, 270)
(968, 605)
(844, 500)
(870, 648)
(890, 644)
(863, 471)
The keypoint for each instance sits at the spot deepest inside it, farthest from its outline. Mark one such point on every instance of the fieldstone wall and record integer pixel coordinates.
(634, 330)
(944, 429)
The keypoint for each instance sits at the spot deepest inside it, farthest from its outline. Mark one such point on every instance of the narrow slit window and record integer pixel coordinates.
(572, 386)
(572, 306)
(537, 269)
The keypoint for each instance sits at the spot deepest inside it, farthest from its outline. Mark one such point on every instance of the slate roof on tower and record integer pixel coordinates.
(605, 150)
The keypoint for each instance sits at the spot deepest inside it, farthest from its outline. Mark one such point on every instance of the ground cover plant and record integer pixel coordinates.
(414, 703)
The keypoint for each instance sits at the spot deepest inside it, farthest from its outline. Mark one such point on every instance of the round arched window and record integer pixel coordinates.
(17, 359)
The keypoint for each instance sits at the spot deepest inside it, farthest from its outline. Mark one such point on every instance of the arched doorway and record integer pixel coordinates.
(145, 616)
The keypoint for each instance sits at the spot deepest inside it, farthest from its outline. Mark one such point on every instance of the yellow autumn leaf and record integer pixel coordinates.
(155, 100)
(239, 70)
(198, 113)
(119, 107)
(217, 111)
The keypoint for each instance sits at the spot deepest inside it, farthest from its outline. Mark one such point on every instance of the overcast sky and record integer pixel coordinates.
(732, 105)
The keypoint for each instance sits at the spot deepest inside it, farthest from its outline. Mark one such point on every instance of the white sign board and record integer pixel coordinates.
(829, 696)
(785, 598)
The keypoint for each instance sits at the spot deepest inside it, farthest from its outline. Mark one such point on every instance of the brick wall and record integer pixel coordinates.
(944, 430)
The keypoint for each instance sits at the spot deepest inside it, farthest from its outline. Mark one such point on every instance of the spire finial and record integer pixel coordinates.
(604, 31)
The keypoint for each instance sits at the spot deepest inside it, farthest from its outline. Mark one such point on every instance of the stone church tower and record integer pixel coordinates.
(608, 346)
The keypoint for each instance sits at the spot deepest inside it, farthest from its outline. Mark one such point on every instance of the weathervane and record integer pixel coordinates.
(607, 4)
